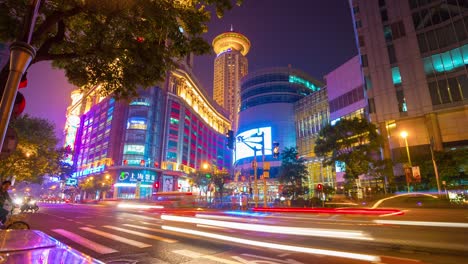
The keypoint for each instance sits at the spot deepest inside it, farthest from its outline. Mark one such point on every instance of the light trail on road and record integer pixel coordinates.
(422, 223)
(300, 231)
(317, 251)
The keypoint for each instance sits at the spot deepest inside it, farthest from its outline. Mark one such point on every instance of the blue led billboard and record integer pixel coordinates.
(253, 138)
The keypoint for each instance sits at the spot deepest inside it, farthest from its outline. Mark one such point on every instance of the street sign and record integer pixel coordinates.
(266, 174)
(71, 182)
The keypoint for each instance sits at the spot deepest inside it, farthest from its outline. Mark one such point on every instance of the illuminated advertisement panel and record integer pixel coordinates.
(253, 138)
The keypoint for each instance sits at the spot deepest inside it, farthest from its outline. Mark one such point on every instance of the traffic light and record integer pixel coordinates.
(319, 187)
(230, 139)
(20, 101)
(276, 150)
(156, 185)
(20, 104)
(208, 176)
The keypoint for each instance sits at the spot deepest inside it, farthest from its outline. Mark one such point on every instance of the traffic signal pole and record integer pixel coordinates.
(21, 55)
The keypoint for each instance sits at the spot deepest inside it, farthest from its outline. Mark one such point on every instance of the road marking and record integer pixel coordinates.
(142, 234)
(116, 238)
(221, 260)
(333, 253)
(145, 228)
(85, 242)
(146, 223)
(421, 223)
(193, 254)
(188, 253)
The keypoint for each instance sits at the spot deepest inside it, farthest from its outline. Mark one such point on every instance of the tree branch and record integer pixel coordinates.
(53, 19)
(45, 47)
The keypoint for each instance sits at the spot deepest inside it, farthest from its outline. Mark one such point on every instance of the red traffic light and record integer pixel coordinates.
(24, 81)
(156, 185)
(319, 187)
(20, 104)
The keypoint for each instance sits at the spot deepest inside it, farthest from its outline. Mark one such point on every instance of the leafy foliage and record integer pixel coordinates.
(293, 172)
(352, 142)
(119, 45)
(219, 179)
(35, 155)
(199, 179)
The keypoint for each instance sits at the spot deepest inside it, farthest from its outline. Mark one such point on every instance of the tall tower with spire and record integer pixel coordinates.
(229, 67)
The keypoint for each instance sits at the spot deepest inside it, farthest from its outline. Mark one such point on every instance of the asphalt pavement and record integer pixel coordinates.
(128, 235)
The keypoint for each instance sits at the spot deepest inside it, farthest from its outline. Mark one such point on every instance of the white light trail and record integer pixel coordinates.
(139, 206)
(422, 223)
(346, 234)
(333, 253)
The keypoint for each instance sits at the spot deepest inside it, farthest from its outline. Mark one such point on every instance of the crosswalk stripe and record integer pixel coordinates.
(116, 238)
(85, 242)
(193, 254)
(141, 234)
(145, 228)
(188, 253)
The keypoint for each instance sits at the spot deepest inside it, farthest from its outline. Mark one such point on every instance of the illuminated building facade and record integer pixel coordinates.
(267, 106)
(160, 136)
(311, 114)
(414, 56)
(346, 98)
(229, 67)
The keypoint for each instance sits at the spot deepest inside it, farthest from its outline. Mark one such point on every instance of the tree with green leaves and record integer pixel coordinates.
(293, 172)
(36, 154)
(353, 142)
(219, 178)
(121, 45)
(201, 181)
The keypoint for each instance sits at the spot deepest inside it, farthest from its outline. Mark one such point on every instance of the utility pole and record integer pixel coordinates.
(436, 171)
(21, 55)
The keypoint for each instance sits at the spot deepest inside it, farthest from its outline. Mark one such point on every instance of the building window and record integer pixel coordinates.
(447, 61)
(391, 54)
(381, 3)
(358, 24)
(136, 123)
(398, 30)
(396, 76)
(364, 61)
(134, 149)
(402, 107)
(367, 82)
(361, 41)
(384, 15)
(355, 9)
(371, 105)
(387, 33)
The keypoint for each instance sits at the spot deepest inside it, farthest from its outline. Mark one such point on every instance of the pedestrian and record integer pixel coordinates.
(4, 197)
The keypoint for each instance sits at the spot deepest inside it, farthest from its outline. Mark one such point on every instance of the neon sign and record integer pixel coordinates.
(89, 171)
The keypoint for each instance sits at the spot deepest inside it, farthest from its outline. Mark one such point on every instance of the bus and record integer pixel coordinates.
(176, 199)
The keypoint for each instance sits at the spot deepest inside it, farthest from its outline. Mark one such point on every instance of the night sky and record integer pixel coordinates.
(315, 36)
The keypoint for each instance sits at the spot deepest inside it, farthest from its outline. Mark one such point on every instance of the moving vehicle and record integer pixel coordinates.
(29, 204)
(176, 199)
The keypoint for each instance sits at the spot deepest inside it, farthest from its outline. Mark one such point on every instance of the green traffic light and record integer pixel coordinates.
(208, 175)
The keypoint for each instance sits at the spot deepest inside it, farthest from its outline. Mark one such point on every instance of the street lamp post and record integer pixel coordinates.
(436, 171)
(21, 55)
(404, 135)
